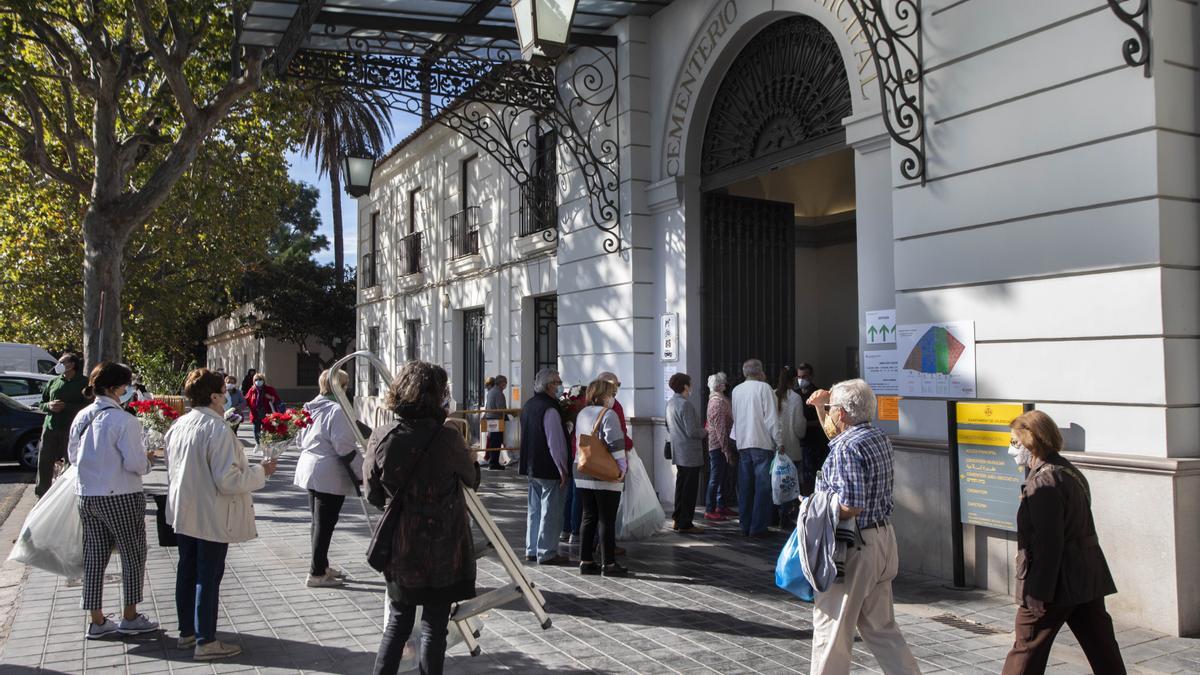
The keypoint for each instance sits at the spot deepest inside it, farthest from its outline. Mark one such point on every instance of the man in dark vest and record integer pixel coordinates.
(544, 460)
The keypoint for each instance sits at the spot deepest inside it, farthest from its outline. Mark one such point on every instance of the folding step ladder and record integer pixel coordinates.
(465, 615)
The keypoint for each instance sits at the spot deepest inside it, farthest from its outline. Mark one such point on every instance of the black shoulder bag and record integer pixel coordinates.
(379, 551)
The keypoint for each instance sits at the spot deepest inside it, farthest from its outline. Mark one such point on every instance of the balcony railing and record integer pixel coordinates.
(368, 271)
(539, 212)
(410, 254)
(464, 232)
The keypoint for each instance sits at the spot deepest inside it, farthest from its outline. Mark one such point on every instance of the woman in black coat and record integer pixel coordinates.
(1062, 576)
(419, 461)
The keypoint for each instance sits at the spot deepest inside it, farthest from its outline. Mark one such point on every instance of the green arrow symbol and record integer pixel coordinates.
(871, 331)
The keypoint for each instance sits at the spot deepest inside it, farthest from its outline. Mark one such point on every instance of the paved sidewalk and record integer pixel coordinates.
(702, 604)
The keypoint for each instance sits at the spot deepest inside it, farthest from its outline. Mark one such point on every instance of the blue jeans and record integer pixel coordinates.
(543, 524)
(198, 585)
(717, 467)
(572, 510)
(755, 505)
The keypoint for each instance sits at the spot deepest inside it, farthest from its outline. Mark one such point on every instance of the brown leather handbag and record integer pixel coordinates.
(595, 460)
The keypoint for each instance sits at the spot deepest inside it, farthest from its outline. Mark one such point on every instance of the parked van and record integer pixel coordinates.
(26, 358)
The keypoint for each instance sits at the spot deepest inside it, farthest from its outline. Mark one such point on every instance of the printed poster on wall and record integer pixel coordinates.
(937, 360)
(880, 327)
(668, 371)
(881, 370)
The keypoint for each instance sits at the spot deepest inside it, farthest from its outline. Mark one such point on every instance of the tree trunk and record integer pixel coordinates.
(335, 193)
(103, 255)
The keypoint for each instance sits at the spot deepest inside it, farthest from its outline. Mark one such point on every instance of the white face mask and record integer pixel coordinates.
(258, 383)
(129, 391)
(230, 387)
(59, 369)
(802, 382)
(1019, 453)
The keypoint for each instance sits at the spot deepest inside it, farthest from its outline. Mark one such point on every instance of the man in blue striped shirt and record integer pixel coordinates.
(859, 470)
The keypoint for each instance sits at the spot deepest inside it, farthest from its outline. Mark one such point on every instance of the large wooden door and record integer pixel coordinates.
(749, 285)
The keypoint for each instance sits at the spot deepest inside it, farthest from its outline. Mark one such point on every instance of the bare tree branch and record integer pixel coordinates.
(171, 67)
(33, 151)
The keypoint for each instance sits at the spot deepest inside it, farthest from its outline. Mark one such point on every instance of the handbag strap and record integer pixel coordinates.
(599, 419)
(412, 469)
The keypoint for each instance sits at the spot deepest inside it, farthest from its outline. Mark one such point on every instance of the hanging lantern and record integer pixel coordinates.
(357, 172)
(543, 27)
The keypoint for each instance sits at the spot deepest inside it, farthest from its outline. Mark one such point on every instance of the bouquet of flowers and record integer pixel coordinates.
(279, 430)
(156, 417)
(570, 403)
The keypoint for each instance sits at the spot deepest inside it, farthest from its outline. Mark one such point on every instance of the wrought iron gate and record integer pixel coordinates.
(749, 285)
(473, 326)
(545, 337)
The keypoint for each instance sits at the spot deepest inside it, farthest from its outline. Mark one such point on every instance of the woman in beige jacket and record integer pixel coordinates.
(209, 505)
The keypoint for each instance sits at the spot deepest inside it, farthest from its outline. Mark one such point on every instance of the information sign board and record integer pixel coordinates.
(989, 480)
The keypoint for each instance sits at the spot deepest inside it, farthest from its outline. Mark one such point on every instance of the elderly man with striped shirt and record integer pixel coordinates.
(859, 470)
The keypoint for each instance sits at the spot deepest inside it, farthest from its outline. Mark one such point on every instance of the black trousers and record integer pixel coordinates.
(434, 619)
(325, 509)
(687, 486)
(495, 439)
(1091, 625)
(599, 513)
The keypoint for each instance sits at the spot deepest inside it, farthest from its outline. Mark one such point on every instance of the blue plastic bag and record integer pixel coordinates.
(789, 573)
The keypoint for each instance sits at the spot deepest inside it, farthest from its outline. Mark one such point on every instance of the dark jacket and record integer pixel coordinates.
(1059, 560)
(536, 460)
(424, 464)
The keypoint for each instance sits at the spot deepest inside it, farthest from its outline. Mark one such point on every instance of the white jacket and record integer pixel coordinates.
(323, 445)
(210, 480)
(793, 426)
(755, 417)
(107, 447)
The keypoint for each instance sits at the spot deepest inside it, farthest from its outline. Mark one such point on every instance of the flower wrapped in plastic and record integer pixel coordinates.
(280, 430)
(156, 416)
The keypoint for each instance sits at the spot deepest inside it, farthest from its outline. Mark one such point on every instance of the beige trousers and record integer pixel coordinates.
(862, 600)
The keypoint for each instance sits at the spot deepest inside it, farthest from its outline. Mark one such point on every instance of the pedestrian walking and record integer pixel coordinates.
(719, 422)
(262, 399)
(601, 498)
(423, 463)
(248, 381)
(330, 468)
(494, 399)
(793, 427)
(1062, 576)
(62, 399)
(106, 446)
(687, 452)
(235, 403)
(209, 481)
(756, 420)
(544, 461)
(860, 472)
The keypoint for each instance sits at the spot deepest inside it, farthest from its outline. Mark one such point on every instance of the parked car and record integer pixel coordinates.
(20, 433)
(26, 358)
(24, 387)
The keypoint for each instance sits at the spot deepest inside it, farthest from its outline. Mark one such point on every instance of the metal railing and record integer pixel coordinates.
(539, 212)
(410, 254)
(464, 232)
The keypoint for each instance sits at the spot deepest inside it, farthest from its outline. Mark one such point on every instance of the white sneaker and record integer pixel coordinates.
(96, 632)
(137, 625)
(215, 650)
(335, 572)
(323, 581)
(186, 641)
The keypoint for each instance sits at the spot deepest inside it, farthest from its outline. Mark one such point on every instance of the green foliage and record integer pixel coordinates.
(161, 373)
(301, 299)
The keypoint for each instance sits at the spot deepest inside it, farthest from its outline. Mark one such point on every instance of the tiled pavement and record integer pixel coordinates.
(698, 604)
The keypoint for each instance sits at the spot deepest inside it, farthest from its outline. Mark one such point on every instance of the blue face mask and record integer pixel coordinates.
(128, 395)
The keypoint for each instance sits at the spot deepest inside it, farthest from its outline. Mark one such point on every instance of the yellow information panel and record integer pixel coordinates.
(989, 479)
(888, 408)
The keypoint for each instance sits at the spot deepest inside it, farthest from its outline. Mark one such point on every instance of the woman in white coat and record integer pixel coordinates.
(793, 426)
(328, 455)
(209, 505)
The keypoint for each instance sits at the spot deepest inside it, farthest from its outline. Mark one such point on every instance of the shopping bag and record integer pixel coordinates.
(639, 515)
(785, 482)
(512, 441)
(52, 537)
(789, 571)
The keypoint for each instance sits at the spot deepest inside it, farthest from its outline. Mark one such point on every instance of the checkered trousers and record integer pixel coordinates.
(110, 520)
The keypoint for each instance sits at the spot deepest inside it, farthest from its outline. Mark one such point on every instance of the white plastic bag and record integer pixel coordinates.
(640, 515)
(512, 440)
(785, 482)
(52, 537)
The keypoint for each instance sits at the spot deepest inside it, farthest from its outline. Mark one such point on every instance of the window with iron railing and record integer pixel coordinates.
(410, 254)
(539, 200)
(464, 232)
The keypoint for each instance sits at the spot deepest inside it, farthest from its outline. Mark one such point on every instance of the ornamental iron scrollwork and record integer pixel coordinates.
(1136, 49)
(896, 48)
(787, 86)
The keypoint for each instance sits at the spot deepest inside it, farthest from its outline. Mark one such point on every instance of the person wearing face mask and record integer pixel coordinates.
(235, 400)
(686, 432)
(107, 448)
(544, 460)
(1062, 575)
(860, 473)
(62, 399)
(209, 481)
(262, 400)
(330, 468)
(601, 498)
(814, 445)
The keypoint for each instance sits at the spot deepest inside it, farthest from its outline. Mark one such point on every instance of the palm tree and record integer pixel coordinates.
(342, 119)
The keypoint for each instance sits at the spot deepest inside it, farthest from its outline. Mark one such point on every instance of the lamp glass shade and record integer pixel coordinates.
(543, 27)
(357, 172)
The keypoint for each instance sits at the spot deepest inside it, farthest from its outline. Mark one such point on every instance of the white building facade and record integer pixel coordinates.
(1059, 213)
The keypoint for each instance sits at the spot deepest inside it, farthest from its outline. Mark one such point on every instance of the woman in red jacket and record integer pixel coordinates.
(262, 401)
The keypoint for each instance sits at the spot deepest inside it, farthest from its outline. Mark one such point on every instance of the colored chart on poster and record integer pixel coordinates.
(937, 359)
(989, 479)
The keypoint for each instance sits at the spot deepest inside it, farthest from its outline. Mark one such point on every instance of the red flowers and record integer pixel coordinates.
(285, 426)
(155, 415)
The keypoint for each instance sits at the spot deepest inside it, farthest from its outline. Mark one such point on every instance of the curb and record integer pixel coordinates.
(12, 575)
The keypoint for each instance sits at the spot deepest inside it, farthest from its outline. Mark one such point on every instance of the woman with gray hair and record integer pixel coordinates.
(718, 422)
(330, 468)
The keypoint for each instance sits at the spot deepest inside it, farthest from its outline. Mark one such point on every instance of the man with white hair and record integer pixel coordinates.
(859, 470)
(756, 420)
(544, 459)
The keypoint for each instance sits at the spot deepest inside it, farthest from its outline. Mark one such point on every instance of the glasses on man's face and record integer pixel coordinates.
(831, 406)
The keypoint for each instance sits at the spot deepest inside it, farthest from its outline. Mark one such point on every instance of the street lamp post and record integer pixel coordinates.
(543, 27)
(358, 172)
